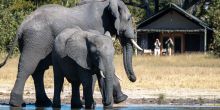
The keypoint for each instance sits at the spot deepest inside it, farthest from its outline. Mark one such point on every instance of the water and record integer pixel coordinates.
(125, 107)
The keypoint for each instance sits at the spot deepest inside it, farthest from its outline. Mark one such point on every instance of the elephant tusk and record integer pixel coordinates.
(107, 34)
(118, 77)
(102, 74)
(136, 45)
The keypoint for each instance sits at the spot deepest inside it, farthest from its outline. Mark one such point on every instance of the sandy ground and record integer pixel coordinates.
(135, 96)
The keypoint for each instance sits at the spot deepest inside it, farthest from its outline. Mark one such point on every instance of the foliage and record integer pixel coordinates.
(137, 13)
(117, 46)
(213, 18)
(66, 3)
(13, 12)
(11, 15)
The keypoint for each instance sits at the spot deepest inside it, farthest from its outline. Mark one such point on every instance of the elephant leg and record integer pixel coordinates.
(41, 98)
(118, 95)
(86, 79)
(94, 79)
(27, 65)
(75, 100)
(58, 84)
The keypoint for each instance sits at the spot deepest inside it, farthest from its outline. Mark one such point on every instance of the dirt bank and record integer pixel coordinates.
(136, 96)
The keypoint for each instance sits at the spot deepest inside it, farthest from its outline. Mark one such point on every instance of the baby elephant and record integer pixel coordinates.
(77, 56)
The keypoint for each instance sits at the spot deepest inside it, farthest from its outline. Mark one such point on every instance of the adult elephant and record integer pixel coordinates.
(37, 33)
(77, 55)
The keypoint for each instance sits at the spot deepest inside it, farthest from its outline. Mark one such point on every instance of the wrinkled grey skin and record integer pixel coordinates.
(37, 33)
(77, 55)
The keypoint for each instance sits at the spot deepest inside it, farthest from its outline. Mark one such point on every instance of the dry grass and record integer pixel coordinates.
(193, 71)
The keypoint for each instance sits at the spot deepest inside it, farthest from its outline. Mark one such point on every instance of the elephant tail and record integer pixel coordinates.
(10, 51)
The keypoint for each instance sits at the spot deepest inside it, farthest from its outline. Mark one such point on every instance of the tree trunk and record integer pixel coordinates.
(156, 6)
(147, 7)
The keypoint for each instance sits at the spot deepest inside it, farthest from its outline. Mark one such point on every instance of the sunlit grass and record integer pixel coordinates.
(180, 71)
(193, 71)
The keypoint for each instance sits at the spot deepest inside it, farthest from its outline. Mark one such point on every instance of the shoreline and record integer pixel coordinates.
(158, 97)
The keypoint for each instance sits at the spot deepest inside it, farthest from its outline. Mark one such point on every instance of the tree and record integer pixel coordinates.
(149, 5)
(213, 18)
(11, 15)
(13, 12)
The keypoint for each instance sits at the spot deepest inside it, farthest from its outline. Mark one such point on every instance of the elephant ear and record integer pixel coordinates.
(76, 49)
(113, 6)
(60, 41)
(71, 43)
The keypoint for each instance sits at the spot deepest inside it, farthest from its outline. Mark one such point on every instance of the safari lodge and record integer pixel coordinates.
(188, 33)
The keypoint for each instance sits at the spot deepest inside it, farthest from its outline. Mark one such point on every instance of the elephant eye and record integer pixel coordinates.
(129, 18)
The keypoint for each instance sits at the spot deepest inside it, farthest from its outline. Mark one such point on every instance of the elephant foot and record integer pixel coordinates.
(56, 105)
(91, 107)
(43, 103)
(119, 99)
(108, 106)
(22, 105)
(76, 106)
(16, 100)
(83, 102)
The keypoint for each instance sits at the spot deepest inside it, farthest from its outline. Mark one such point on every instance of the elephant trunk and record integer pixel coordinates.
(107, 88)
(127, 58)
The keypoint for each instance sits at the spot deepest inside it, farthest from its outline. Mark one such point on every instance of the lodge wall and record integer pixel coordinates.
(184, 42)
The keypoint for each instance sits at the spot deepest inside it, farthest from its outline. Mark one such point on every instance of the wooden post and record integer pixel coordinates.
(161, 41)
(205, 40)
(160, 37)
(182, 43)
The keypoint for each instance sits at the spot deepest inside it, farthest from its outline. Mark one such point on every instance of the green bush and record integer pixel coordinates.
(11, 15)
(214, 20)
(117, 46)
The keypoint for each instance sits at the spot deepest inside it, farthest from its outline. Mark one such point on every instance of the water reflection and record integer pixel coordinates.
(125, 107)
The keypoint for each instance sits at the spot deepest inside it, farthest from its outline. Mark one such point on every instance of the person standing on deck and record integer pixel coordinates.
(157, 47)
(169, 43)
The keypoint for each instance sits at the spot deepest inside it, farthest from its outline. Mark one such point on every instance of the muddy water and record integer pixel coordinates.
(125, 107)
